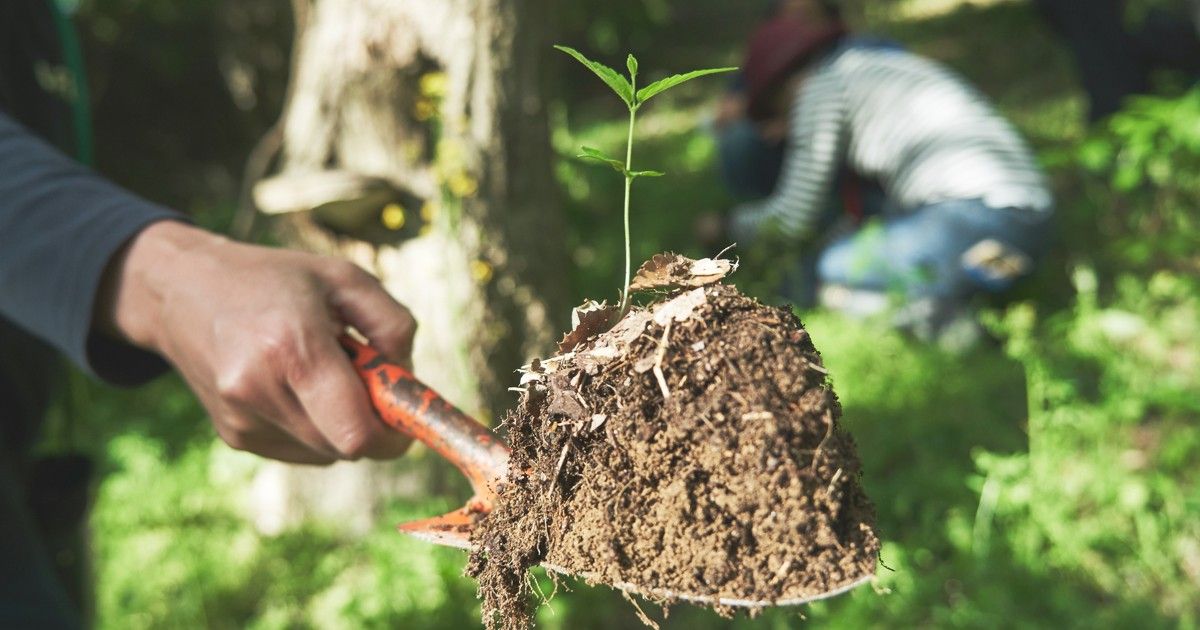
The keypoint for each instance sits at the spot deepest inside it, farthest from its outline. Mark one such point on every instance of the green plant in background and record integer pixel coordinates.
(1139, 179)
(633, 98)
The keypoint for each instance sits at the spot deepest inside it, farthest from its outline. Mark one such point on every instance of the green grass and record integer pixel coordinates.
(1048, 481)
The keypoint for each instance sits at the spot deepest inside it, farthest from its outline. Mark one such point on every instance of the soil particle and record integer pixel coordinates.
(694, 447)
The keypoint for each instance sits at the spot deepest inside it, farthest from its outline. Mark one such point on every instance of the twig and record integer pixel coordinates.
(821, 445)
(733, 367)
(557, 469)
(616, 396)
(833, 482)
(658, 359)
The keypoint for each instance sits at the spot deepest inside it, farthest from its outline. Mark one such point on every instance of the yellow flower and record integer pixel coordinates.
(393, 216)
(424, 109)
(433, 84)
(462, 185)
(481, 271)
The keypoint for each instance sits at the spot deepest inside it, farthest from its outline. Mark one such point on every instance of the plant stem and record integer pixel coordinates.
(628, 183)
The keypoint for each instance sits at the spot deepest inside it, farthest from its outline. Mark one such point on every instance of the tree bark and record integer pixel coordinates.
(441, 99)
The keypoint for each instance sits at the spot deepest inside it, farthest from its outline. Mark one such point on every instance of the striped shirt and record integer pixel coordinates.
(904, 121)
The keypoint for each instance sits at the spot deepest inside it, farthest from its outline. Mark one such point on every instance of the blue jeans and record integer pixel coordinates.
(920, 254)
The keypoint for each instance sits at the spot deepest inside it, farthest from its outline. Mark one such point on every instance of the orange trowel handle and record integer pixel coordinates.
(412, 408)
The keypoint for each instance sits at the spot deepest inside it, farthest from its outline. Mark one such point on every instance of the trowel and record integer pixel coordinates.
(414, 409)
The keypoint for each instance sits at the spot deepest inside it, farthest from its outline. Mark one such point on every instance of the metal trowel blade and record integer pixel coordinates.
(453, 529)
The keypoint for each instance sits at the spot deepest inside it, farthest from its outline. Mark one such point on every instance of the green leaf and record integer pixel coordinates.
(618, 83)
(649, 91)
(631, 64)
(589, 153)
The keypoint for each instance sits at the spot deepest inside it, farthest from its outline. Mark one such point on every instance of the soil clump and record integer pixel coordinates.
(694, 447)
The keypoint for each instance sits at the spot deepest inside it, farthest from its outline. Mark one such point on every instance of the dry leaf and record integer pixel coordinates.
(669, 270)
(630, 327)
(655, 273)
(680, 307)
(587, 321)
(709, 270)
(564, 404)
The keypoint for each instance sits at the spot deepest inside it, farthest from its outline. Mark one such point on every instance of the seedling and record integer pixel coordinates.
(633, 98)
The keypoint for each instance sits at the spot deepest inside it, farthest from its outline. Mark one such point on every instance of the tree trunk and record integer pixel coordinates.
(422, 111)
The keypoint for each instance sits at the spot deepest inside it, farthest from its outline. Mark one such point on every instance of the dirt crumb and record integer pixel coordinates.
(699, 453)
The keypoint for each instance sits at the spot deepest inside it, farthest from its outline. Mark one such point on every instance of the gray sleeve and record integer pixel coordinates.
(60, 224)
(816, 144)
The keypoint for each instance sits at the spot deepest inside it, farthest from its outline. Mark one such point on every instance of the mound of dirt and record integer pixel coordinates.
(693, 448)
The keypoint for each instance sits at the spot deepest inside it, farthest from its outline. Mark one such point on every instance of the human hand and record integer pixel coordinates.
(253, 331)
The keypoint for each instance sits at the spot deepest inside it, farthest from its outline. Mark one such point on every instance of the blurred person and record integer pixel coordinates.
(126, 289)
(1115, 61)
(896, 178)
(750, 156)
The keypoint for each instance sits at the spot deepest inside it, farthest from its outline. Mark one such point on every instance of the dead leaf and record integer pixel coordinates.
(655, 273)
(679, 308)
(562, 403)
(588, 320)
(709, 270)
(595, 358)
(630, 327)
(669, 270)
(597, 420)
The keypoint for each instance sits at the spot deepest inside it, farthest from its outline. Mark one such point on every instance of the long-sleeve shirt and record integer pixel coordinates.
(899, 119)
(60, 224)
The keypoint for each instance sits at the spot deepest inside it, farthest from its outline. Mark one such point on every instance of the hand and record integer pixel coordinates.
(254, 332)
